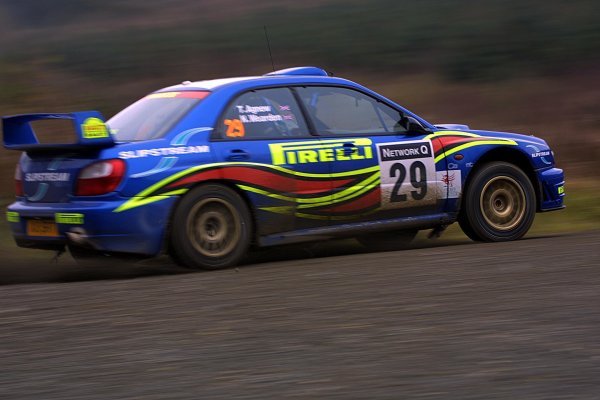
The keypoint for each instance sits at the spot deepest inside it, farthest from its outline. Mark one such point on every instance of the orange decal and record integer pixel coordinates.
(235, 128)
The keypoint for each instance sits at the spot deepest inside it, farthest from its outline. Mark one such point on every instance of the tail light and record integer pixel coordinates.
(19, 182)
(100, 178)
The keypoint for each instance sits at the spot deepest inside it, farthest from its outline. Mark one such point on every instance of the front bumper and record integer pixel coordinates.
(552, 188)
(93, 224)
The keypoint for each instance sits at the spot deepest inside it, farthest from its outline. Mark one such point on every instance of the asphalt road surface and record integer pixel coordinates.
(458, 320)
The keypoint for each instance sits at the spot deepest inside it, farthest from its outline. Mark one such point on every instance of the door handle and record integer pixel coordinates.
(237, 155)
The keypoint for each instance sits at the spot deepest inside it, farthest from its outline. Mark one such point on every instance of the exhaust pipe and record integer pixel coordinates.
(79, 237)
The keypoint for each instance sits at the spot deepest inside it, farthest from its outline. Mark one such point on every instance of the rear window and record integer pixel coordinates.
(152, 116)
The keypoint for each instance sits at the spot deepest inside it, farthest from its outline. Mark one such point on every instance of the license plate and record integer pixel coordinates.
(40, 227)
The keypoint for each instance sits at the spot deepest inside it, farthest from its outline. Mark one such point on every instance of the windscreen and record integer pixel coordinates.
(152, 116)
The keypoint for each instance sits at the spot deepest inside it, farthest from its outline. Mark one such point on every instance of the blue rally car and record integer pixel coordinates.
(205, 170)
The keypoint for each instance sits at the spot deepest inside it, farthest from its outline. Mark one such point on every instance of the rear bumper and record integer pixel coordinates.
(93, 224)
(552, 188)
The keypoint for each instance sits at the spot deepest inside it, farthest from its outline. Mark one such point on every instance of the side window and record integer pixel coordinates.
(265, 113)
(340, 111)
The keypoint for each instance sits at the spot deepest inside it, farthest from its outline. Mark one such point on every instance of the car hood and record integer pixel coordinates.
(517, 137)
(535, 148)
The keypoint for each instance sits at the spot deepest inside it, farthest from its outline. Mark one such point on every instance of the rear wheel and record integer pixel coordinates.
(498, 205)
(211, 228)
(388, 241)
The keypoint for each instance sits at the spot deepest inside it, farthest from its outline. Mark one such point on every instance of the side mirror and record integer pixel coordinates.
(413, 126)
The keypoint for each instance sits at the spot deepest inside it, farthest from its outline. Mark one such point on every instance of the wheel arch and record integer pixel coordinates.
(222, 182)
(513, 156)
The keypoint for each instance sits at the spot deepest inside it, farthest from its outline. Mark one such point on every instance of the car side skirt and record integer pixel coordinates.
(359, 228)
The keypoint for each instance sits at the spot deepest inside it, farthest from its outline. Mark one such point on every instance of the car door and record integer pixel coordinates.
(391, 171)
(263, 146)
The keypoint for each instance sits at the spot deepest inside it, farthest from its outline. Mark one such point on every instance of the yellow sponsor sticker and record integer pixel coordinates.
(12, 216)
(164, 95)
(561, 190)
(94, 128)
(321, 151)
(69, 218)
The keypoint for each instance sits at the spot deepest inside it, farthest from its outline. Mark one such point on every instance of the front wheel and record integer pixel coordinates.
(211, 228)
(498, 205)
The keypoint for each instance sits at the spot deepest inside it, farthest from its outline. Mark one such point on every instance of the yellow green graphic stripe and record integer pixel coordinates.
(146, 196)
(473, 144)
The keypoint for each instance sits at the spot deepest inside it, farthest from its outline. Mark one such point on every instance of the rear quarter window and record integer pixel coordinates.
(153, 116)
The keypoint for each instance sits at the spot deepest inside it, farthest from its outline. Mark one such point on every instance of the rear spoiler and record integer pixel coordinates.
(89, 126)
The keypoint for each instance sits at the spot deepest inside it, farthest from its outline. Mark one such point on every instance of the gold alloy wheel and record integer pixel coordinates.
(214, 228)
(503, 203)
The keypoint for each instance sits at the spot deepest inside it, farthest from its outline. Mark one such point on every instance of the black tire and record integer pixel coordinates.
(387, 241)
(498, 204)
(211, 228)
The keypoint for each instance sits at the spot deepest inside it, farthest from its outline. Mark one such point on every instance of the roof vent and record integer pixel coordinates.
(312, 71)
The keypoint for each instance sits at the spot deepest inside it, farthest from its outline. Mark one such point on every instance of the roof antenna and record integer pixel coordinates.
(269, 47)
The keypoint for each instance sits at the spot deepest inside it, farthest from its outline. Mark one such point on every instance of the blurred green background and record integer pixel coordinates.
(515, 65)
